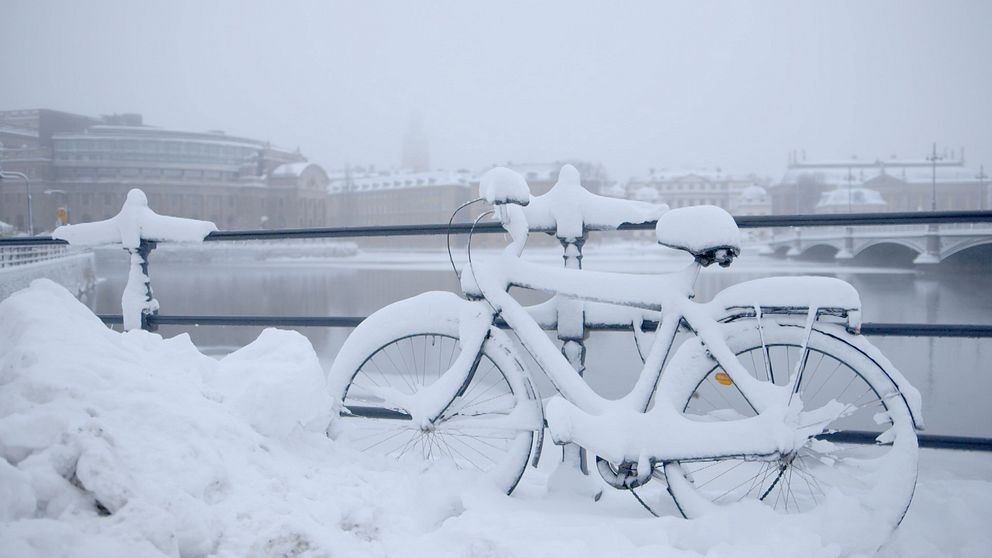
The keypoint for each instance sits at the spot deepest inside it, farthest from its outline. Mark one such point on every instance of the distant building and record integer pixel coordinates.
(903, 184)
(87, 165)
(366, 196)
(850, 200)
(363, 197)
(752, 200)
(685, 188)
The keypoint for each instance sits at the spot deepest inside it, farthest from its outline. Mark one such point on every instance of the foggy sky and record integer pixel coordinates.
(633, 85)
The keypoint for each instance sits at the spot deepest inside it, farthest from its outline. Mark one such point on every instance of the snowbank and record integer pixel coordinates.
(128, 444)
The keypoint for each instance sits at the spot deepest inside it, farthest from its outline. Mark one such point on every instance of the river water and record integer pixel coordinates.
(954, 375)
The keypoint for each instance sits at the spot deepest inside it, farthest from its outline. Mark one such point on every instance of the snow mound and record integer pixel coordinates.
(128, 444)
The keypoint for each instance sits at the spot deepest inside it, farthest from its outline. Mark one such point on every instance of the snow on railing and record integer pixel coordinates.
(136, 228)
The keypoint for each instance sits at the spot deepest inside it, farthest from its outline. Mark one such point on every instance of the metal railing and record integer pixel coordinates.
(744, 222)
(152, 321)
(13, 256)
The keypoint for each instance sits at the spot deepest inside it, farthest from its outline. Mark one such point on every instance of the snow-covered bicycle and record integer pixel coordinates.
(771, 396)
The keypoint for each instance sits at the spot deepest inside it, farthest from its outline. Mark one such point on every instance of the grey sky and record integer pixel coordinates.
(633, 85)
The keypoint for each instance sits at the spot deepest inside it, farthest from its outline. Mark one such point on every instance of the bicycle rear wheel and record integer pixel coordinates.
(868, 455)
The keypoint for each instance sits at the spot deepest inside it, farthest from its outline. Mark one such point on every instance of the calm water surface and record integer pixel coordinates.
(954, 375)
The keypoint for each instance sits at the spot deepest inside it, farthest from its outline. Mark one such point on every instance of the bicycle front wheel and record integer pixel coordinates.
(408, 356)
(866, 456)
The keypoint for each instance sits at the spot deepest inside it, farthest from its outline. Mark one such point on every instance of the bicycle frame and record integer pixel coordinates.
(669, 294)
(765, 436)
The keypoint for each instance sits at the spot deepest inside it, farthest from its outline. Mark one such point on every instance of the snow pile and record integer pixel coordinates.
(128, 444)
(133, 445)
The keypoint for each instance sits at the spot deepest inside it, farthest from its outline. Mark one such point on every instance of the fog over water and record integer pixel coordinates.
(634, 85)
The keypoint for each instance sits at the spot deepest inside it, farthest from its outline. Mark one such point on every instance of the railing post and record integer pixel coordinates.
(572, 333)
(141, 254)
(129, 227)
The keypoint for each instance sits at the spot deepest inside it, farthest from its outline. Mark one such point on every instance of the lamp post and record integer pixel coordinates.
(27, 190)
(981, 187)
(850, 182)
(933, 158)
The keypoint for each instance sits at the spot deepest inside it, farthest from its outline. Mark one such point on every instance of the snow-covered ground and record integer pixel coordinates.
(128, 444)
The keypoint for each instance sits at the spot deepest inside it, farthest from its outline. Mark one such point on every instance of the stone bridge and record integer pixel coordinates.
(923, 245)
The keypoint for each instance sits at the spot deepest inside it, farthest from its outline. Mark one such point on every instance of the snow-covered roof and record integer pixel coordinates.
(753, 194)
(536, 171)
(905, 170)
(678, 175)
(15, 131)
(614, 190)
(398, 180)
(850, 196)
(646, 193)
(118, 132)
(290, 169)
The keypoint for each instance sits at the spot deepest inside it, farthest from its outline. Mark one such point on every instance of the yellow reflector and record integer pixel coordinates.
(724, 379)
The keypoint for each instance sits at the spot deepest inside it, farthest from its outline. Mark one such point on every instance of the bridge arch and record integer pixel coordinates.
(967, 245)
(888, 252)
(975, 256)
(911, 244)
(820, 252)
(780, 251)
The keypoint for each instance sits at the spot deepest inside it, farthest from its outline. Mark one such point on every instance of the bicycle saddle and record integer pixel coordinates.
(705, 231)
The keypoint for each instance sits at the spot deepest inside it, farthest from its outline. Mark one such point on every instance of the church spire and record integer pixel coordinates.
(416, 150)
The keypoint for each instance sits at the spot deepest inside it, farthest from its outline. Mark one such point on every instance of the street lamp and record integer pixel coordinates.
(850, 182)
(981, 187)
(27, 190)
(933, 158)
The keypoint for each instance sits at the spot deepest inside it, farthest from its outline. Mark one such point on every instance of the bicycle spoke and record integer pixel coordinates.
(477, 440)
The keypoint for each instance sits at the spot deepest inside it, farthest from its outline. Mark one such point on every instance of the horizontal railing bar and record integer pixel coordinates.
(31, 241)
(931, 441)
(877, 329)
(432, 229)
(940, 441)
(286, 321)
(857, 219)
(743, 221)
(926, 330)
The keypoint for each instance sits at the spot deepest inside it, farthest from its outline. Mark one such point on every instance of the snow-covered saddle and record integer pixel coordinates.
(707, 232)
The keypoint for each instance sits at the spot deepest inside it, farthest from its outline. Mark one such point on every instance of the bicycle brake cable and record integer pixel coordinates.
(470, 267)
(448, 235)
